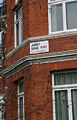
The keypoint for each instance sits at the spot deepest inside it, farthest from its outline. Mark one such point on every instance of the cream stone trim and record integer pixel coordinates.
(45, 37)
(40, 59)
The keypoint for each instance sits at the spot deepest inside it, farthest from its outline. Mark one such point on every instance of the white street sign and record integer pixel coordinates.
(39, 47)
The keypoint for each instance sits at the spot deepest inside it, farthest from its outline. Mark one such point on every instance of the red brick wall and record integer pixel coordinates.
(55, 45)
(37, 90)
(35, 23)
(63, 44)
(37, 78)
(10, 27)
(11, 106)
(35, 20)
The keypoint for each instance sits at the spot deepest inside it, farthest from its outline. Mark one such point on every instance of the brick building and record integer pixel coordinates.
(41, 60)
(2, 95)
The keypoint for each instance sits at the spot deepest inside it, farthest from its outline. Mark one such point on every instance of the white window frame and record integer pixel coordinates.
(19, 96)
(15, 28)
(55, 2)
(68, 88)
(16, 1)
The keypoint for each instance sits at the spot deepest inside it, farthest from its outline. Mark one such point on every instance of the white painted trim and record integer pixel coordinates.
(69, 104)
(64, 16)
(31, 39)
(53, 98)
(15, 43)
(58, 1)
(18, 109)
(61, 88)
(54, 111)
(16, 1)
(49, 18)
(40, 59)
(64, 86)
(19, 96)
(15, 29)
(52, 80)
(50, 4)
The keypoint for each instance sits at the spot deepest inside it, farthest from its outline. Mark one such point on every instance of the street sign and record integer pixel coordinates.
(39, 47)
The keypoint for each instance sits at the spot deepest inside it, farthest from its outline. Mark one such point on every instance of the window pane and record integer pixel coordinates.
(21, 87)
(61, 105)
(71, 10)
(20, 31)
(56, 18)
(19, 26)
(65, 78)
(74, 104)
(21, 108)
(20, 12)
(17, 31)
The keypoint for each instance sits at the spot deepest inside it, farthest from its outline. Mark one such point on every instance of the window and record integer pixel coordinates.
(21, 100)
(65, 95)
(16, 1)
(62, 15)
(18, 26)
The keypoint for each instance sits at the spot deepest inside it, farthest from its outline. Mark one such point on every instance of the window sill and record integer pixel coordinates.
(63, 33)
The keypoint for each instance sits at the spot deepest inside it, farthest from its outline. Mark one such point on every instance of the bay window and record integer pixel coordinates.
(64, 95)
(71, 10)
(62, 15)
(57, 18)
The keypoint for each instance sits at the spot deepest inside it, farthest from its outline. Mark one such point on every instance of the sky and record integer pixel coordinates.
(1, 0)
(0, 32)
